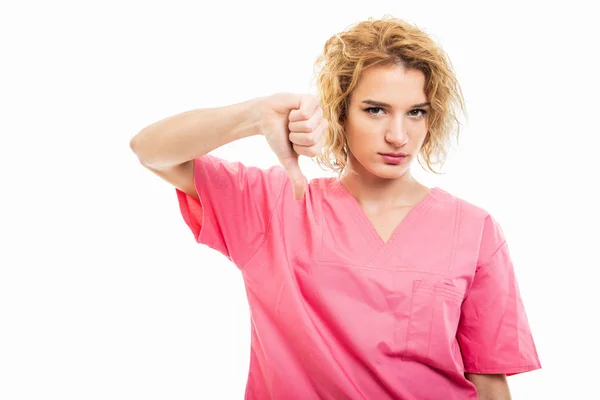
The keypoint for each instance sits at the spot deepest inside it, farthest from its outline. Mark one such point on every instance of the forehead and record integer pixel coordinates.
(391, 84)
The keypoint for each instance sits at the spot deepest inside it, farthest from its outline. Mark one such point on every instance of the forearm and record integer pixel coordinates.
(490, 386)
(483, 395)
(190, 134)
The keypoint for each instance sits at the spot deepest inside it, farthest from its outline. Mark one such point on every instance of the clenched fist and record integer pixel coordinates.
(293, 125)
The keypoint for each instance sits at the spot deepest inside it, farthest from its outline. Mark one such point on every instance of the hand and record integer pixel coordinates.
(293, 125)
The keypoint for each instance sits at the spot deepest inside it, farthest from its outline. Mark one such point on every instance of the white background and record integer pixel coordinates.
(104, 293)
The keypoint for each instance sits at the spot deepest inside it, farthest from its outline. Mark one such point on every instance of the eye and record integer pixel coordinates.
(372, 110)
(419, 116)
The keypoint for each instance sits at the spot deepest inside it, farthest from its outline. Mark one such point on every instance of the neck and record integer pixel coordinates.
(373, 191)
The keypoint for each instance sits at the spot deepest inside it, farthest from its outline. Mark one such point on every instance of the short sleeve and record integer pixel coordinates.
(493, 332)
(235, 207)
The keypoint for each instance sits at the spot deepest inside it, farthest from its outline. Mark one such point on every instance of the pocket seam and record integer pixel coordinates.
(431, 289)
(436, 286)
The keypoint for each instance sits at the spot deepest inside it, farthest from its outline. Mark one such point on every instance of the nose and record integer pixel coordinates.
(396, 133)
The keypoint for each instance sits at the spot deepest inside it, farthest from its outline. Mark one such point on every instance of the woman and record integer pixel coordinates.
(369, 285)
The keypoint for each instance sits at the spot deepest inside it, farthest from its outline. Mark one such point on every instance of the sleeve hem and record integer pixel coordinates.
(187, 202)
(184, 206)
(508, 370)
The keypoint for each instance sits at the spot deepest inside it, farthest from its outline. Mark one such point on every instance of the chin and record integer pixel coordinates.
(388, 171)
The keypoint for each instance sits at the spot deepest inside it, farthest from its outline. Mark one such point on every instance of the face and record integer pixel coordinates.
(386, 122)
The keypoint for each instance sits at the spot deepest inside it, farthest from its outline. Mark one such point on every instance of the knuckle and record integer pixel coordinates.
(293, 116)
(305, 127)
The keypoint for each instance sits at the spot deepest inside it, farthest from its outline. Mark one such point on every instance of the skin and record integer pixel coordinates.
(386, 191)
(490, 386)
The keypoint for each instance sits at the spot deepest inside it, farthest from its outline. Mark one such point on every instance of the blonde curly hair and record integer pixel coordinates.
(386, 41)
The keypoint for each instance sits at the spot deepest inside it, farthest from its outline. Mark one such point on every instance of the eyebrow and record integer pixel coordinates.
(381, 104)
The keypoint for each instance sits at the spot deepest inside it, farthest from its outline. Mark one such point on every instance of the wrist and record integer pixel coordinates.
(247, 117)
(255, 115)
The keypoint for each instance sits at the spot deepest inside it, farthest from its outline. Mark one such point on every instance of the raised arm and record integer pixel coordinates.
(168, 147)
(293, 124)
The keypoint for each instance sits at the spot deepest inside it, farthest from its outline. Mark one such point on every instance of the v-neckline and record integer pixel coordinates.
(363, 220)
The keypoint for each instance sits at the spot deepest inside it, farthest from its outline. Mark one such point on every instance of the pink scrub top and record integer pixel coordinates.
(337, 313)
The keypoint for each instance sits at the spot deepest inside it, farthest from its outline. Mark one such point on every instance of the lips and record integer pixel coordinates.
(393, 158)
(394, 154)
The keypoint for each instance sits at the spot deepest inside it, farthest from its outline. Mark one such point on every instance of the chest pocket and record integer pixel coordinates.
(430, 335)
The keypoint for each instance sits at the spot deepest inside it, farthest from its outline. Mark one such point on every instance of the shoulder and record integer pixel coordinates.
(467, 208)
(471, 218)
(476, 222)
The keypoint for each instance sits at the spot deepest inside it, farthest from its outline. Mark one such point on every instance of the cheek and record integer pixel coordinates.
(361, 141)
(423, 136)
(365, 130)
